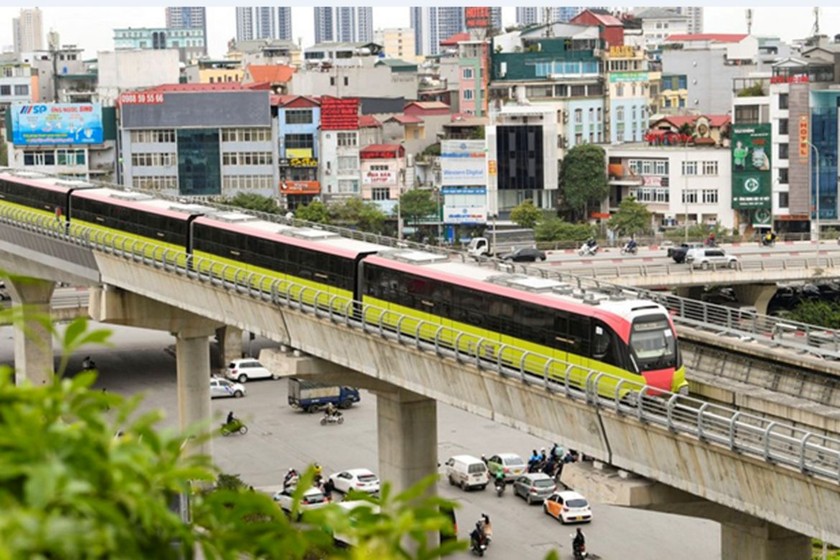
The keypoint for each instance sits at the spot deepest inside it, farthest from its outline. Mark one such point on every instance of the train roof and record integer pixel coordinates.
(144, 201)
(43, 180)
(546, 291)
(307, 237)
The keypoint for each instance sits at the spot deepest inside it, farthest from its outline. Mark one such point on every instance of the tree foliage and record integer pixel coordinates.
(253, 201)
(416, 204)
(526, 214)
(357, 213)
(583, 179)
(817, 312)
(555, 229)
(316, 211)
(84, 475)
(632, 218)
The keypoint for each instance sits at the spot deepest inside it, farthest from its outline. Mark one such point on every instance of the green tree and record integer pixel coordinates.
(253, 201)
(84, 475)
(821, 313)
(416, 204)
(555, 229)
(583, 179)
(526, 214)
(632, 218)
(357, 213)
(316, 211)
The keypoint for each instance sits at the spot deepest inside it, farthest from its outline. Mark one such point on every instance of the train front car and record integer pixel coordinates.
(654, 351)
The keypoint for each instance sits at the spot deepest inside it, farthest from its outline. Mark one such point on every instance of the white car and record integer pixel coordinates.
(312, 498)
(245, 369)
(568, 507)
(223, 388)
(710, 257)
(362, 480)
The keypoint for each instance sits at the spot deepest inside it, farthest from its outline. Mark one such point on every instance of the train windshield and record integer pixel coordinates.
(653, 343)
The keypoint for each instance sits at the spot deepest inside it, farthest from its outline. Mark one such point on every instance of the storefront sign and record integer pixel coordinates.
(751, 182)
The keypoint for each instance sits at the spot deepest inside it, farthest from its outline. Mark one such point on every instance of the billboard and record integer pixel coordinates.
(478, 17)
(339, 114)
(751, 182)
(56, 123)
(462, 163)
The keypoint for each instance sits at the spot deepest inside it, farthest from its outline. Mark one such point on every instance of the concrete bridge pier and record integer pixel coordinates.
(407, 437)
(113, 305)
(762, 541)
(33, 341)
(757, 295)
(230, 343)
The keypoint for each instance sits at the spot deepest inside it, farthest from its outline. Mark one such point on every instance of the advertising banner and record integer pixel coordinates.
(762, 218)
(751, 182)
(379, 177)
(462, 163)
(464, 214)
(56, 123)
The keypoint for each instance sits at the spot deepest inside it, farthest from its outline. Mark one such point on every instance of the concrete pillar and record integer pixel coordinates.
(33, 340)
(230, 343)
(757, 295)
(192, 358)
(407, 429)
(763, 542)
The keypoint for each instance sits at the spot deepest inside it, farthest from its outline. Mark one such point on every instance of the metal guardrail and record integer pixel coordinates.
(774, 442)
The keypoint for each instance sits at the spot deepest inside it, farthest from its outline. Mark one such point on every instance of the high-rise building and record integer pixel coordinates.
(545, 14)
(27, 31)
(343, 24)
(694, 15)
(263, 22)
(188, 17)
(434, 24)
(396, 42)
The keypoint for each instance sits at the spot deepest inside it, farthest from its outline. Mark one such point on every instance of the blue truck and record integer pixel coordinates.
(310, 396)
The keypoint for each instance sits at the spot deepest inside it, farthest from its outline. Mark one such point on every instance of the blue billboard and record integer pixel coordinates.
(56, 123)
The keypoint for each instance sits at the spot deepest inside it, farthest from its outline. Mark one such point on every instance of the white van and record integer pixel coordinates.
(467, 471)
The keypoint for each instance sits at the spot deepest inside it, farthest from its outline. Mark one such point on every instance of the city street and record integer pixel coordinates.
(280, 438)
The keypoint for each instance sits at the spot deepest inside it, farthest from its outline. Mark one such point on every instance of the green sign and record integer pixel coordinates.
(762, 218)
(751, 183)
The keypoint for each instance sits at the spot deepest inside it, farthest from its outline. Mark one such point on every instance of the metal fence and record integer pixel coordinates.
(774, 442)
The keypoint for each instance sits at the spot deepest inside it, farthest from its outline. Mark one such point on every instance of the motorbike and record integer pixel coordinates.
(628, 248)
(767, 242)
(500, 487)
(335, 418)
(88, 364)
(234, 427)
(578, 550)
(478, 545)
(587, 250)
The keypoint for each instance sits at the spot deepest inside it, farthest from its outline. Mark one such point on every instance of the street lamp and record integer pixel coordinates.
(817, 195)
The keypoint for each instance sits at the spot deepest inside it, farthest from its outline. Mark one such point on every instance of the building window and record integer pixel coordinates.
(39, 158)
(746, 114)
(246, 158)
(5, 90)
(246, 135)
(783, 126)
(332, 80)
(783, 101)
(152, 159)
(710, 196)
(689, 168)
(380, 193)
(347, 139)
(710, 168)
(299, 141)
(619, 114)
(578, 116)
(689, 196)
(155, 183)
(619, 90)
(298, 116)
(468, 94)
(347, 163)
(783, 150)
(783, 175)
(468, 73)
(22, 89)
(619, 130)
(71, 157)
(155, 136)
(348, 186)
(784, 200)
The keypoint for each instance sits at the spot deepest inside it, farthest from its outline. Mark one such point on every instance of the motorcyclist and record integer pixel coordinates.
(477, 537)
(87, 363)
(579, 544)
(591, 242)
(770, 237)
(711, 241)
(230, 418)
(318, 473)
(290, 479)
(631, 245)
(330, 410)
(499, 479)
(486, 527)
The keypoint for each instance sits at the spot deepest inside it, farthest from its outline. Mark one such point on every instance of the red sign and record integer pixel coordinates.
(803, 137)
(477, 17)
(339, 113)
(797, 79)
(141, 98)
(300, 187)
(381, 154)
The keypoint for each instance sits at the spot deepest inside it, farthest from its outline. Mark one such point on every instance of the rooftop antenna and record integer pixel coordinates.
(816, 30)
(749, 21)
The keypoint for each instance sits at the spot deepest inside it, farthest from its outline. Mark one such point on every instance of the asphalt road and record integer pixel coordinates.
(280, 438)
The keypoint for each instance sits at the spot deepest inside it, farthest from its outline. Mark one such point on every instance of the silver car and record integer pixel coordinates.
(220, 387)
(710, 257)
(534, 487)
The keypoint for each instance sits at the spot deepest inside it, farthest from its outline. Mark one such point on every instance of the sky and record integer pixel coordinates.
(74, 24)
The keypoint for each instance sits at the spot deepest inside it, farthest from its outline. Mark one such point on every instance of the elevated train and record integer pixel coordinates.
(518, 315)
